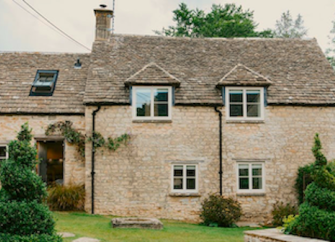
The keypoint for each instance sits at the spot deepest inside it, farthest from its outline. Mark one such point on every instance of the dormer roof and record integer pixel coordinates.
(241, 75)
(152, 74)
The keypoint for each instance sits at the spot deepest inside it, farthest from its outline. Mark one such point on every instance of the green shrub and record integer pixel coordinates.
(317, 215)
(23, 215)
(66, 198)
(21, 184)
(321, 197)
(281, 211)
(220, 211)
(287, 221)
(30, 238)
(300, 184)
(313, 222)
(25, 218)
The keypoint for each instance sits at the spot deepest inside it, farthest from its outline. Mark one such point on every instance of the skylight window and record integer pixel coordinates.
(44, 83)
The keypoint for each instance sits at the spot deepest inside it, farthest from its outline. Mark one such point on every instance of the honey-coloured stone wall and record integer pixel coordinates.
(74, 165)
(136, 179)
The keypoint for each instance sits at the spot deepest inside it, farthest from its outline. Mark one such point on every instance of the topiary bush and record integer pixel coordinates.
(317, 215)
(220, 211)
(23, 215)
(66, 198)
(281, 211)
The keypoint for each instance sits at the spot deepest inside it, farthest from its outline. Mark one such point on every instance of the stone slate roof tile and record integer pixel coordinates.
(152, 74)
(241, 75)
(17, 73)
(298, 69)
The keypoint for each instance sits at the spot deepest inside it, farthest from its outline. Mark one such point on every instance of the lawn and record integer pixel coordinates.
(97, 226)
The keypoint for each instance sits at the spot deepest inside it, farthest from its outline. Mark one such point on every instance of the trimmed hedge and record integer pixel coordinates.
(24, 216)
(281, 211)
(30, 238)
(321, 197)
(314, 222)
(21, 184)
(317, 215)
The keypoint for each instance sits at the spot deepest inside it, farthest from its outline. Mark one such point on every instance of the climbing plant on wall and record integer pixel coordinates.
(73, 136)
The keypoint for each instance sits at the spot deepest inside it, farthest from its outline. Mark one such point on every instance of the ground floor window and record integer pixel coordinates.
(251, 177)
(184, 178)
(3, 152)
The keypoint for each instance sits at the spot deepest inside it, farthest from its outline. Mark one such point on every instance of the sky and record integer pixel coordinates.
(22, 32)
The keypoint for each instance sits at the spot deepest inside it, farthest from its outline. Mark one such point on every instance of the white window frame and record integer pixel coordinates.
(227, 102)
(250, 190)
(152, 117)
(184, 190)
(6, 157)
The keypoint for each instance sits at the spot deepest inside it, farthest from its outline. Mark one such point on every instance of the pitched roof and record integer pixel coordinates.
(241, 75)
(298, 69)
(152, 74)
(17, 73)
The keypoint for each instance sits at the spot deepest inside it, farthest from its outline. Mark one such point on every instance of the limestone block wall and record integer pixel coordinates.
(74, 169)
(136, 180)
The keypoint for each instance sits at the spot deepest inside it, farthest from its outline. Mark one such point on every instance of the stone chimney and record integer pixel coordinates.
(103, 23)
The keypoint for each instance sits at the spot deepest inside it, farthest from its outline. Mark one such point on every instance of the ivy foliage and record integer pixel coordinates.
(23, 214)
(75, 137)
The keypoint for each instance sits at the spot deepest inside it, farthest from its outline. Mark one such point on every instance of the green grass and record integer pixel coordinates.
(97, 226)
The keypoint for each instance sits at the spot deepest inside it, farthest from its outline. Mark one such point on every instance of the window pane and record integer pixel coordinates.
(236, 96)
(257, 183)
(257, 170)
(2, 151)
(190, 171)
(178, 183)
(161, 110)
(236, 110)
(243, 170)
(178, 171)
(253, 110)
(161, 94)
(253, 96)
(244, 183)
(190, 183)
(143, 102)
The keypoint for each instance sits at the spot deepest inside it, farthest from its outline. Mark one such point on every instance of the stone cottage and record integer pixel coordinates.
(230, 116)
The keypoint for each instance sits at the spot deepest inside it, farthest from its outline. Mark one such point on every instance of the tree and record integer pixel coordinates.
(223, 21)
(286, 27)
(24, 215)
(330, 52)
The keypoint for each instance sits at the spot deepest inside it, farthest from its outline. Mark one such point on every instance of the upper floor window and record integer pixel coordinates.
(44, 83)
(185, 178)
(251, 177)
(152, 102)
(3, 152)
(245, 103)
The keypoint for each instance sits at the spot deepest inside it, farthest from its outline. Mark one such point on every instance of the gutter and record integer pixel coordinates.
(220, 146)
(93, 155)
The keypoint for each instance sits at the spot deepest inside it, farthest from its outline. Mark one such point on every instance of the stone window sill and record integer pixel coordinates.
(179, 194)
(152, 121)
(260, 194)
(245, 121)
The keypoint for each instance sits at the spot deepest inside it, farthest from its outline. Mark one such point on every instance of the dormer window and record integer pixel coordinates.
(44, 83)
(152, 103)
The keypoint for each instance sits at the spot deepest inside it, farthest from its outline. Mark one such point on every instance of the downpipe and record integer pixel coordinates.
(220, 146)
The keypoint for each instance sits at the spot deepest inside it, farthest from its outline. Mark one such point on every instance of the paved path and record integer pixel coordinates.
(82, 239)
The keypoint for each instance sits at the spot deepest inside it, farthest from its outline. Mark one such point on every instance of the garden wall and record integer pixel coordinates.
(274, 235)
